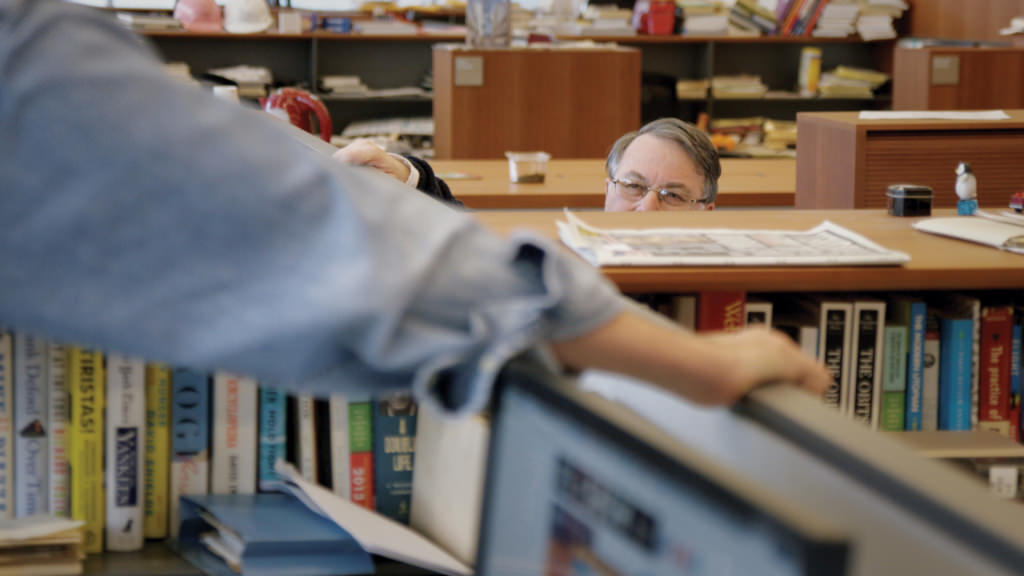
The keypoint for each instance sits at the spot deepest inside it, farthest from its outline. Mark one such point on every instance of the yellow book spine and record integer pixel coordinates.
(158, 450)
(86, 387)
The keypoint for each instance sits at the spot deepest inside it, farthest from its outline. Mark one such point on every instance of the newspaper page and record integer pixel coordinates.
(827, 244)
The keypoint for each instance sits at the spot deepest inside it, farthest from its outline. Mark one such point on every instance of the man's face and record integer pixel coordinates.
(650, 161)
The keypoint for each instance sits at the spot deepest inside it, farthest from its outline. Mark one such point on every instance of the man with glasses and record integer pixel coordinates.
(666, 165)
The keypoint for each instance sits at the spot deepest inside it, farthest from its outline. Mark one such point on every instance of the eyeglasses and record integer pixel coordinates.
(671, 197)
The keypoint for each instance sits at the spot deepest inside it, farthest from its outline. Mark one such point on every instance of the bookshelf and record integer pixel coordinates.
(388, 61)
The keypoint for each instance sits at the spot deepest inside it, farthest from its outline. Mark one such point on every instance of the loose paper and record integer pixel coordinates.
(933, 115)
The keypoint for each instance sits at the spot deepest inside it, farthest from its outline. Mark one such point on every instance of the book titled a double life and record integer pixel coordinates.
(263, 535)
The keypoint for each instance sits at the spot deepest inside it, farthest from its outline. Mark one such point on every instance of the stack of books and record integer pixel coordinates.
(849, 82)
(148, 21)
(749, 17)
(608, 21)
(704, 18)
(692, 89)
(252, 81)
(385, 27)
(779, 134)
(837, 19)
(739, 86)
(41, 546)
(876, 18)
(343, 84)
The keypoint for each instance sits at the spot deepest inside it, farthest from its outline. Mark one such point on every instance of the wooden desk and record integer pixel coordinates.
(937, 263)
(581, 184)
(845, 162)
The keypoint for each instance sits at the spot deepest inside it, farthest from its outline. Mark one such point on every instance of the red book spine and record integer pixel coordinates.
(994, 386)
(721, 311)
(362, 479)
(814, 19)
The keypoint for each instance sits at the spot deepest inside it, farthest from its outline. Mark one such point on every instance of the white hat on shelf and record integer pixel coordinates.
(247, 16)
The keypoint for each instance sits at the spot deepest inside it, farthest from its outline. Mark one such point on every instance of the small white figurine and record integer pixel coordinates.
(966, 190)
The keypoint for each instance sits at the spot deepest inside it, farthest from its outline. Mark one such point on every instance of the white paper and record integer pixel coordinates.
(1000, 235)
(37, 526)
(824, 245)
(933, 115)
(375, 533)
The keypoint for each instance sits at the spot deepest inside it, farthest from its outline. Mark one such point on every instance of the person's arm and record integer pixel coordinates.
(408, 169)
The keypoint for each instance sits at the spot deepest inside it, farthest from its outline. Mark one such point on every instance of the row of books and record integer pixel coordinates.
(909, 362)
(113, 441)
(840, 82)
(871, 19)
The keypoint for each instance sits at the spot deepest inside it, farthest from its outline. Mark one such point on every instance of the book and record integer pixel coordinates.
(917, 316)
(41, 545)
(684, 310)
(340, 475)
(866, 361)
(360, 439)
(190, 437)
(263, 535)
(322, 442)
(86, 385)
(994, 381)
(394, 451)
(305, 422)
(894, 377)
(126, 428)
(6, 426)
(720, 310)
(835, 335)
(31, 414)
(273, 432)
(930, 377)
(1015, 381)
(955, 374)
(57, 396)
(233, 451)
(158, 451)
(758, 312)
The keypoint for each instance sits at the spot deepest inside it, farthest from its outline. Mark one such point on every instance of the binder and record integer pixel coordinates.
(275, 535)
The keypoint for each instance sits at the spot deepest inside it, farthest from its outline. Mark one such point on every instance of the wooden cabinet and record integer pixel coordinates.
(845, 162)
(958, 78)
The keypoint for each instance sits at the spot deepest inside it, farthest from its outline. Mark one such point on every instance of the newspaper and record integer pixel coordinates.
(827, 244)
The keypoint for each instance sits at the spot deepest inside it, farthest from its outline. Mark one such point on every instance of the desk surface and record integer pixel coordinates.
(937, 263)
(769, 182)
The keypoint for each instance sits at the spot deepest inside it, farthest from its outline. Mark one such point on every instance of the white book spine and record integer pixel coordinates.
(6, 427)
(189, 475)
(234, 434)
(126, 430)
(30, 426)
(57, 391)
(809, 340)
(930, 387)
(307, 437)
(758, 313)
(340, 447)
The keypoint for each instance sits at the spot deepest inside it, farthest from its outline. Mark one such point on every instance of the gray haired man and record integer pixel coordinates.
(667, 164)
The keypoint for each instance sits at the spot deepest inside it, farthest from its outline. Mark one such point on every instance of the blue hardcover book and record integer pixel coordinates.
(915, 366)
(272, 432)
(1016, 353)
(265, 535)
(190, 436)
(955, 373)
(394, 447)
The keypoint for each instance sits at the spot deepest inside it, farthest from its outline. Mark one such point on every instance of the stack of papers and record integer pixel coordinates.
(741, 86)
(827, 244)
(837, 19)
(1004, 230)
(338, 84)
(692, 89)
(876, 17)
(41, 546)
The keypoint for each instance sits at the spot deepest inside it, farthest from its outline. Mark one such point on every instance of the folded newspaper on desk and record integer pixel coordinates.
(1004, 230)
(827, 244)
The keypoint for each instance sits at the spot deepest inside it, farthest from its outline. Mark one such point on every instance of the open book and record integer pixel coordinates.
(827, 244)
(996, 232)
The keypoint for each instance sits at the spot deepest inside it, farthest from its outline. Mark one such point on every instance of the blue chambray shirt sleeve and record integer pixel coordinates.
(141, 215)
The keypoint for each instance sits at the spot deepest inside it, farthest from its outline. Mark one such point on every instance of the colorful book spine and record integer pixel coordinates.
(720, 310)
(894, 378)
(1016, 368)
(88, 501)
(930, 378)
(340, 475)
(234, 434)
(273, 433)
(915, 366)
(31, 412)
(994, 386)
(955, 374)
(126, 429)
(6, 427)
(306, 426)
(57, 394)
(158, 450)
(394, 434)
(190, 437)
(835, 335)
(866, 362)
(360, 438)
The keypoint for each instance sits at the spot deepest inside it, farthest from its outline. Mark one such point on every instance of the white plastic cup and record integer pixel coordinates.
(527, 167)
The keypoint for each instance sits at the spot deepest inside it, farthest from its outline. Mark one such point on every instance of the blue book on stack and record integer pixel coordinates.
(264, 535)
